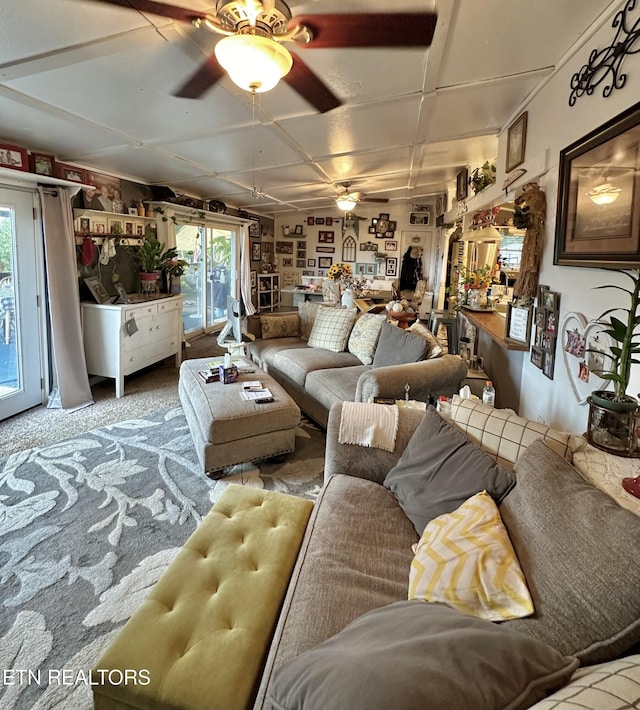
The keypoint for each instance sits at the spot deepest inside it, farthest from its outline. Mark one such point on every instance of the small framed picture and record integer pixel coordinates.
(541, 290)
(419, 218)
(391, 266)
(310, 221)
(326, 250)
(384, 216)
(84, 223)
(299, 263)
(516, 142)
(99, 226)
(319, 220)
(311, 263)
(71, 173)
(139, 230)
(122, 294)
(298, 229)
(552, 322)
(324, 262)
(541, 319)
(14, 157)
(254, 277)
(548, 365)
(98, 291)
(518, 326)
(325, 237)
(328, 221)
(550, 300)
(133, 210)
(391, 246)
(537, 356)
(287, 262)
(128, 228)
(372, 229)
(115, 226)
(42, 164)
(462, 187)
(256, 251)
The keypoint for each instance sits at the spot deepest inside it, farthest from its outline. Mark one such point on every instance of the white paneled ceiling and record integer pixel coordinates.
(93, 84)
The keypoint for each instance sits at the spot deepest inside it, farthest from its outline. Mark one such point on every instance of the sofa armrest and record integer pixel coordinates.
(364, 461)
(441, 376)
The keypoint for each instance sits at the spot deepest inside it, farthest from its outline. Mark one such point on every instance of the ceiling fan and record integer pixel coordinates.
(255, 30)
(348, 200)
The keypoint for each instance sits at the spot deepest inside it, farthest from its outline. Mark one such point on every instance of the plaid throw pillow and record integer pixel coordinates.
(331, 328)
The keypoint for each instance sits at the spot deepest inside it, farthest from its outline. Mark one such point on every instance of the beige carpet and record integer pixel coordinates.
(145, 392)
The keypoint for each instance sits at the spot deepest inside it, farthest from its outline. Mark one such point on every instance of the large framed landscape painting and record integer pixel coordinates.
(598, 214)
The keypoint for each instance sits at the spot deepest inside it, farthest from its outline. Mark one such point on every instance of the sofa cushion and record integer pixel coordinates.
(281, 325)
(614, 685)
(307, 311)
(503, 434)
(364, 336)
(606, 471)
(579, 553)
(415, 656)
(337, 384)
(440, 469)
(296, 364)
(263, 352)
(465, 559)
(435, 349)
(331, 328)
(397, 347)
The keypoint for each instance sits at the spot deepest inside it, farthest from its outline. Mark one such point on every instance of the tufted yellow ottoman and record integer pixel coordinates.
(202, 633)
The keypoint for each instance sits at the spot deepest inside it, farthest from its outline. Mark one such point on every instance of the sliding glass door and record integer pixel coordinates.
(21, 385)
(212, 255)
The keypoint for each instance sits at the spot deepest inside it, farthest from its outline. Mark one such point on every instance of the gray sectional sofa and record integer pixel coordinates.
(381, 363)
(348, 637)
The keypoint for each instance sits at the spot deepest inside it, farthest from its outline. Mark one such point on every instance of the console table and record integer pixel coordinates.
(120, 339)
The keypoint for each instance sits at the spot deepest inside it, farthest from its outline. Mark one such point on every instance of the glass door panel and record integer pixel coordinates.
(210, 277)
(20, 341)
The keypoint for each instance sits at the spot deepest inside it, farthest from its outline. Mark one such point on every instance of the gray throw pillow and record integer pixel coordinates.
(440, 469)
(413, 655)
(397, 347)
(580, 554)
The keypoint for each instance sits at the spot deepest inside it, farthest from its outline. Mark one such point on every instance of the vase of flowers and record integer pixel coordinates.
(473, 285)
(350, 286)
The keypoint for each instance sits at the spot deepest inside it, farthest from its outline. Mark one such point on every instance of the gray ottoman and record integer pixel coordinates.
(228, 430)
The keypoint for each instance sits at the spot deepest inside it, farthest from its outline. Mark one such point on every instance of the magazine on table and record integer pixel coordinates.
(251, 395)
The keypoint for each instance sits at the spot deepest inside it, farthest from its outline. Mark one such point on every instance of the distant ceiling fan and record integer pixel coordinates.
(346, 200)
(254, 57)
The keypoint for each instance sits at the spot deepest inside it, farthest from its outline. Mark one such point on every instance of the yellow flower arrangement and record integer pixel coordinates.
(475, 278)
(339, 271)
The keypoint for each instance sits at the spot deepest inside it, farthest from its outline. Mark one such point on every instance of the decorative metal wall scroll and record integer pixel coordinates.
(606, 63)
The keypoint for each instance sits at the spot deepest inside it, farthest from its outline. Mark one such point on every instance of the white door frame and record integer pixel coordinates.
(30, 317)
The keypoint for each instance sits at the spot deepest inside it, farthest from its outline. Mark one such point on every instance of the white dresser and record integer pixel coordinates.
(123, 338)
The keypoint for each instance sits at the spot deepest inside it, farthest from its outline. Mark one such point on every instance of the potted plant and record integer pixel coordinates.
(613, 415)
(482, 177)
(149, 257)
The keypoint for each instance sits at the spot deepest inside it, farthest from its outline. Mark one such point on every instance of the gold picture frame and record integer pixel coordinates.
(516, 142)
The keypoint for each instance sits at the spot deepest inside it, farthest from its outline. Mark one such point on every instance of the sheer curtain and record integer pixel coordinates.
(245, 270)
(71, 388)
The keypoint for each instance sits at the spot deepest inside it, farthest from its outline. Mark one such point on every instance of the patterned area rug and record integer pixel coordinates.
(87, 526)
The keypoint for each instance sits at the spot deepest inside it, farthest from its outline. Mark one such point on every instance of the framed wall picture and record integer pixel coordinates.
(311, 221)
(122, 294)
(256, 251)
(326, 250)
(14, 157)
(325, 237)
(324, 262)
(287, 262)
(284, 247)
(71, 173)
(311, 263)
(598, 213)
(419, 218)
(462, 184)
(516, 142)
(254, 276)
(390, 245)
(391, 266)
(98, 291)
(42, 164)
(518, 325)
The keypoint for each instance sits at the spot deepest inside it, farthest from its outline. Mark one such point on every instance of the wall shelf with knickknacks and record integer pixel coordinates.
(96, 223)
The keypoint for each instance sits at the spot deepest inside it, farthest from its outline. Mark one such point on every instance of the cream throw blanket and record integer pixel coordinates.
(372, 425)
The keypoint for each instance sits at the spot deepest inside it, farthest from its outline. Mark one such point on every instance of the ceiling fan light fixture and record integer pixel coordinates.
(346, 202)
(253, 62)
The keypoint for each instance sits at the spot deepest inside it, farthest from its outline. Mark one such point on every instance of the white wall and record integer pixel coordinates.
(552, 126)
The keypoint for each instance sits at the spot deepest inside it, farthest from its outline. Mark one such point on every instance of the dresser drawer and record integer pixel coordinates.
(147, 354)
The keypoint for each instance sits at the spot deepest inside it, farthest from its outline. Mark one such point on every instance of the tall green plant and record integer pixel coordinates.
(622, 332)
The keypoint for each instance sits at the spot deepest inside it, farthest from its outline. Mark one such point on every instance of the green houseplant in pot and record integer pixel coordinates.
(614, 415)
(150, 257)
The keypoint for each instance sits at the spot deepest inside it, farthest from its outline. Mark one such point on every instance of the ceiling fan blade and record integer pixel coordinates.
(370, 29)
(374, 199)
(310, 87)
(151, 7)
(203, 79)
